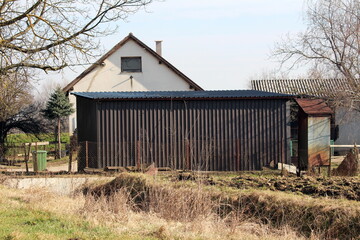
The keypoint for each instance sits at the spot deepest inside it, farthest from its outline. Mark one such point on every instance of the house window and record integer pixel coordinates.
(131, 64)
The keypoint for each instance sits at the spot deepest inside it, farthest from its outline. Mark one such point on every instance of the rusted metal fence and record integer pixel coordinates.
(204, 155)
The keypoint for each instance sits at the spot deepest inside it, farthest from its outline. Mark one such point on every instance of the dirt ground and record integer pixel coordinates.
(333, 187)
(50, 167)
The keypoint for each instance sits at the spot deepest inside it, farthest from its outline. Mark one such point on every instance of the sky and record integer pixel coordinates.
(217, 44)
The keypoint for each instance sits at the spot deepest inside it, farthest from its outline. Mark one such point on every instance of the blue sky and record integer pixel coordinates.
(218, 44)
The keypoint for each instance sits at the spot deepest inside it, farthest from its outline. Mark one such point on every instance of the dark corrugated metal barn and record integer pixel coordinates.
(198, 130)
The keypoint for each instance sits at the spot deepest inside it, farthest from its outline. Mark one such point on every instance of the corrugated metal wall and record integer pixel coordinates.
(87, 131)
(215, 135)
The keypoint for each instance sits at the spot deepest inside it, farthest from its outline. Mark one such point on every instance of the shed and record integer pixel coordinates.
(314, 133)
(198, 130)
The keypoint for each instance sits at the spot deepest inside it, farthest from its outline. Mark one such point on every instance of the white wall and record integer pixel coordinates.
(109, 78)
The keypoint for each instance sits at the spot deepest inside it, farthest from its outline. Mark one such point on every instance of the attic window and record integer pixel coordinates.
(131, 64)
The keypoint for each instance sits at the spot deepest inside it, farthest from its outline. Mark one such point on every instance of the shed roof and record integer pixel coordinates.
(314, 106)
(218, 94)
(324, 88)
(144, 46)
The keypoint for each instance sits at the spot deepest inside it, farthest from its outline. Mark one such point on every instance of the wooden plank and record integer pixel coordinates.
(347, 146)
(38, 143)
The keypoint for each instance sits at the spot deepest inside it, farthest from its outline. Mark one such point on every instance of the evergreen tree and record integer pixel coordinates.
(57, 108)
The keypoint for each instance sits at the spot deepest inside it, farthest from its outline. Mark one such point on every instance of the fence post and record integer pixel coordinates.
(282, 155)
(238, 154)
(138, 159)
(87, 154)
(27, 155)
(70, 159)
(187, 154)
(329, 168)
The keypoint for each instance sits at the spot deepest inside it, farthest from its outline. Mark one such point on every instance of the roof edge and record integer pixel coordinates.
(119, 45)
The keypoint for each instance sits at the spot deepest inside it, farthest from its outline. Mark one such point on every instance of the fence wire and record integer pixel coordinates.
(227, 155)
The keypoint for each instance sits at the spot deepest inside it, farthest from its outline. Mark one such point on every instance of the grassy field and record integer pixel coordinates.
(37, 214)
(182, 206)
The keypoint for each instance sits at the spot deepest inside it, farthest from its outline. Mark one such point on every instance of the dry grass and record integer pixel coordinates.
(181, 215)
(321, 217)
(147, 208)
(185, 214)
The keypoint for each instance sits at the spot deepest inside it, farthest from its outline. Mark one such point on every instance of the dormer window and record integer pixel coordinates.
(131, 64)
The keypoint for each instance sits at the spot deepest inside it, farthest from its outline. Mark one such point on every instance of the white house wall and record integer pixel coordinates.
(155, 76)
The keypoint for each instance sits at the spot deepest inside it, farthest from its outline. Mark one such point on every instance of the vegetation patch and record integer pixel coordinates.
(327, 218)
(24, 223)
(334, 187)
(20, 138)
(38, 214)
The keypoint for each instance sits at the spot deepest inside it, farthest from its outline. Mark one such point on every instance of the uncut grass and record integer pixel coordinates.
(177, 215)
(189, 202)
(20, 220)
(119, 213)
(136, 207)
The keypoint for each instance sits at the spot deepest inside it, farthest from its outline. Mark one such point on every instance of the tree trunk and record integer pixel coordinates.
(59, 137)
(2, 141)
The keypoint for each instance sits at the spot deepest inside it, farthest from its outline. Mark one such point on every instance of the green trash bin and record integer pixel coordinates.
(39, 160)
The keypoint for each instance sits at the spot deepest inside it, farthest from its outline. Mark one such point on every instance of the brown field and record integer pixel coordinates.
(195, 205)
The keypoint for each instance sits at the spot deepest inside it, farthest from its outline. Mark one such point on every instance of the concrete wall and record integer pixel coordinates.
(155, 76)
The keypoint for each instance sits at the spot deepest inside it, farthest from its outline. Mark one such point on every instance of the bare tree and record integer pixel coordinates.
(14, 93)
(330, 44)
(47, 35)
(52, 34)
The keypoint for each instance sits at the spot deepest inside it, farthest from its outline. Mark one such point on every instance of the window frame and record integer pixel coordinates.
(130, 70)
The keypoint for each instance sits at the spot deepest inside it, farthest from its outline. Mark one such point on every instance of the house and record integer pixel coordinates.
(199, 130)
(130, 66)
(346, 127)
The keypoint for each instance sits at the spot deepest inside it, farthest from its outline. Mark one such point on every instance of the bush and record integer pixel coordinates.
(20, 138)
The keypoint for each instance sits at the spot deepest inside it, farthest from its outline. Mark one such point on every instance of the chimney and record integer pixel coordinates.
(158, 47)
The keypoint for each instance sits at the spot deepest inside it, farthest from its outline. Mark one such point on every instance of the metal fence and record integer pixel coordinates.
(18, 153)
(205, 155)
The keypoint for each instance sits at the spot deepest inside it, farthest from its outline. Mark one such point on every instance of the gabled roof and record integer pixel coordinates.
(144, 46)
(163, 95)
(313, 87)
(314, 106)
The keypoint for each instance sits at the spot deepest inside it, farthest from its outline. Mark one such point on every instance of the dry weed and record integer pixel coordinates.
(119, 212)
(3, 178)
(114, 208)
(181, 204)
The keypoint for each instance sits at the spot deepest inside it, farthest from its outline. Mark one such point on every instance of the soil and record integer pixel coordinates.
(334, 187)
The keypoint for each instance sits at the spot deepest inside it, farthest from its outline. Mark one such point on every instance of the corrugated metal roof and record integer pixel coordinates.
(220, 94)
(313, 87)
(314, 106)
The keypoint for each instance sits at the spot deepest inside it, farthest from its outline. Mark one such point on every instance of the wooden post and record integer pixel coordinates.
(87, 153)
(27, 155)
(282, 156)
(70, 159)
(187, 154)
(238, 154)
(138, 159)
(35, 158)
(329, 169)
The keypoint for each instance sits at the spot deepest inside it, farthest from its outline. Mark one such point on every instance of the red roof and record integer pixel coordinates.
(314, 106)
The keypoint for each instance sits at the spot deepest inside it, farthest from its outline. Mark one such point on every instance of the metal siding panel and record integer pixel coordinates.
(223, 135)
